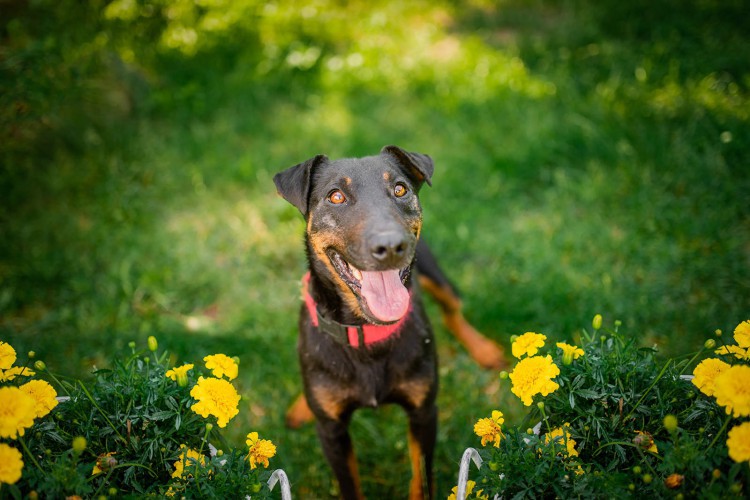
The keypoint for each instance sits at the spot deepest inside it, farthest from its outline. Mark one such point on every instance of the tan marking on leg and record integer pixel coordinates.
(484, 351)
(332, 400)
(416, 486)
(351, 462)
(299, 413)
(415, 391)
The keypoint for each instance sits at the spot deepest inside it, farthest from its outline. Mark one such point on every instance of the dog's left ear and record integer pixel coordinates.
(419, 165)
(293, 184)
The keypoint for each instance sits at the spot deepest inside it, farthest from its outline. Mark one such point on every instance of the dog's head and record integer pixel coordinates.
(363, 221)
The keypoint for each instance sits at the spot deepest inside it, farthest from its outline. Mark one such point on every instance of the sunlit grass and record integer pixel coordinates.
(575, 174)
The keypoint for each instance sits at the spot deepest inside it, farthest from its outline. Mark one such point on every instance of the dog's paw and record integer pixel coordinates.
(299, 413)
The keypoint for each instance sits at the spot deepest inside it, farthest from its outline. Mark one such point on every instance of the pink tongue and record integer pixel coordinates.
(387, 298)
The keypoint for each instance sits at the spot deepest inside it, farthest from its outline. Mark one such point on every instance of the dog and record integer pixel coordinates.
(364, 337)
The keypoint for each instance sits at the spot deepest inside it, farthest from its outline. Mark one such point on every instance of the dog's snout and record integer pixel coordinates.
(390, 248)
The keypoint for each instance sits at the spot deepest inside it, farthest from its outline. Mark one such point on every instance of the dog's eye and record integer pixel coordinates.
(399, 190)
(336, 197)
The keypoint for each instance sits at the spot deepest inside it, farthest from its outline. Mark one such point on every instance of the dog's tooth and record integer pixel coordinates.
(356, 272)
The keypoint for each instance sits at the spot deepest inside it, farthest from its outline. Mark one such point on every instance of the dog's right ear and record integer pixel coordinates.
(293, 184)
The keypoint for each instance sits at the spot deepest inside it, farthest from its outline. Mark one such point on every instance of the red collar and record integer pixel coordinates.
(352, 335)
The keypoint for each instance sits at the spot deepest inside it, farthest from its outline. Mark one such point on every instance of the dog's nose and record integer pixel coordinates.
(389, 248)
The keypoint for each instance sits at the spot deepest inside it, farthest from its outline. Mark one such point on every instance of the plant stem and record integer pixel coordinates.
(691, 360)
(721, 431)
(31, 455)
(93, 401)
(643, 396)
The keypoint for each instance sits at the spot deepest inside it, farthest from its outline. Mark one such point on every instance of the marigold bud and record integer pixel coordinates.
(540, 405)
(597, 322)
(79, 444)
(670, 423)
(32, 354)
(33, 495)
(153, 345)
(718, 332)
(131, 344)
(209, 427)
(674, 481)
(716, 473)
(647, 478)
(182, 379)
(219, 453)
(503, 375)
(40, 365)
(637, 469)
(631, 487)
(709, 344)
(112, 491)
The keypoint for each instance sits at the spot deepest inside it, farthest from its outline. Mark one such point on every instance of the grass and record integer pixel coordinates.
(591, 157)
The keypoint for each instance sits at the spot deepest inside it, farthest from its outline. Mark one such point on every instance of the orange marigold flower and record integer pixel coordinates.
(674, 481)
(645, 441)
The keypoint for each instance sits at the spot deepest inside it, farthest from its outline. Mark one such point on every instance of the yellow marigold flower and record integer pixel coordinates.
(489, 428)
(179, 372)
(732, 390)
(7, 355)
(104, 463)
(45, 397)
(260, 450)
(742, 334)
(570, 352)
(11, 464)
(645, 441)
(704, 375)
(528, 344)
(738, 442)
(15, 371)
(17, 411)
(737, 351)
(469, 490)
(221, 365)
(534, 376)
(189, 459)
(215, 397)
(561, 435)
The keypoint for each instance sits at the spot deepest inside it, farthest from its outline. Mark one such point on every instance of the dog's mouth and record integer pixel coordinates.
(382, 294)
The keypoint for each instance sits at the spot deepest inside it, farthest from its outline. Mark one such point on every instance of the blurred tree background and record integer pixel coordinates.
(591, 157)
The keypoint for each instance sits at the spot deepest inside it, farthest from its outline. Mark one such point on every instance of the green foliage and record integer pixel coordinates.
(134, 424)
(590, 156)
(613, 401)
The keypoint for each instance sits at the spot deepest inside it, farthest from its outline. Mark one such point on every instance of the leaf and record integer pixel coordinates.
(571, 400)
(588, 394)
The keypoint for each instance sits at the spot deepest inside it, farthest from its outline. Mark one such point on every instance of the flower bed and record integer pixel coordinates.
(142, 428)
(614, 420)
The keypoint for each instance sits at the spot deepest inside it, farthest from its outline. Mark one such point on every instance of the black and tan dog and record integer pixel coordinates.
(364, 337)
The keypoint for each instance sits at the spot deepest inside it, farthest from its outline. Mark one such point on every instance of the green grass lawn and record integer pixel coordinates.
(591, 157)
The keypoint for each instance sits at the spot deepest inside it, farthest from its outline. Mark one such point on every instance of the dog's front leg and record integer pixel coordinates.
(422, 435)
(337, 447)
